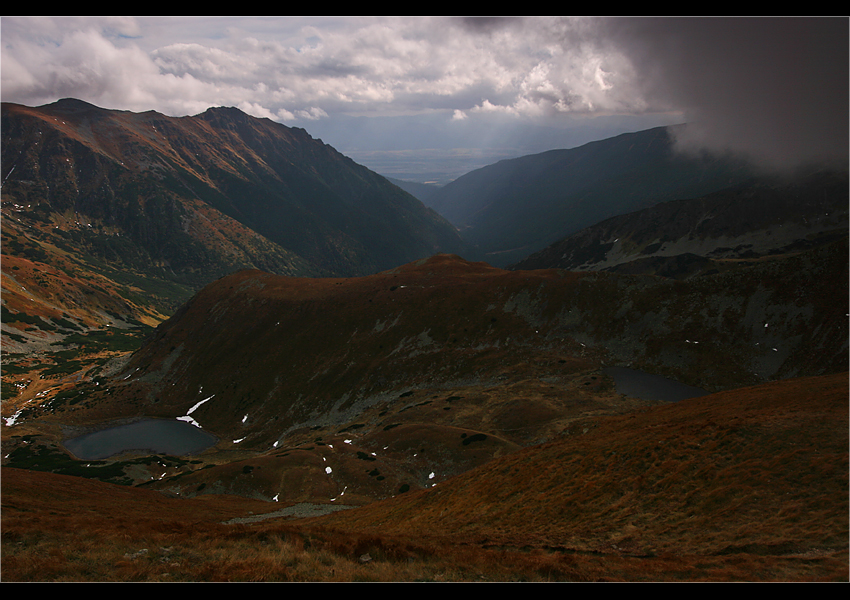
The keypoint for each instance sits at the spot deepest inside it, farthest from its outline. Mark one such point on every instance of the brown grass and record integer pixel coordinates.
(748, 485)
(761, 470)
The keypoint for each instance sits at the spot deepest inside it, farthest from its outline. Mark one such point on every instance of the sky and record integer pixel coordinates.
(430, 97)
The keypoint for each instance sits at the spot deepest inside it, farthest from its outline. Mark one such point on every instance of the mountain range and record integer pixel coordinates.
(192, 198)
(347, 348)
(516, 207)
(764, 217)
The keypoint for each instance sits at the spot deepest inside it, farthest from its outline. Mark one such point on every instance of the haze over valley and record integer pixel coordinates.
(437, 300)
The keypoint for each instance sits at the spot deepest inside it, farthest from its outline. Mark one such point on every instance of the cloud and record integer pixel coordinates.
(391, 65)
(772, 88)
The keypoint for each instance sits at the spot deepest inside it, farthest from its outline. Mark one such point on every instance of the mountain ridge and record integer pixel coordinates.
(518, 206)
(682, 238)
(466, 410)
(296, 192)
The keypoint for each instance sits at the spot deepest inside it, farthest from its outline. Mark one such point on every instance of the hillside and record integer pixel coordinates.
(754, 471)
(111, 220)
(745, 485)
(516, 207)
(193, 198)
(758, 220)
(405, 378)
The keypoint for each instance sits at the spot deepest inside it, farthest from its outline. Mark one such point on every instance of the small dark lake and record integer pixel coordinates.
(158, 436)
(638, 384)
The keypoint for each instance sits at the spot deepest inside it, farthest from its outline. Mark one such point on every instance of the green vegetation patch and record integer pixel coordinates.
(114, 340)
(352, 427)
(70, 396)
(8, 316)
(38, 457)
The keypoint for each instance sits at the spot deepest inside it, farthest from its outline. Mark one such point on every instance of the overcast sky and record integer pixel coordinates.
(775, 88)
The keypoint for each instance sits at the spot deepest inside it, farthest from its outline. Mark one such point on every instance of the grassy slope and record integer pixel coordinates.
(742, 485)
(761, 469)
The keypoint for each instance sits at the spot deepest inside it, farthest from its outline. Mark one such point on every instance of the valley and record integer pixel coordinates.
(371, 387)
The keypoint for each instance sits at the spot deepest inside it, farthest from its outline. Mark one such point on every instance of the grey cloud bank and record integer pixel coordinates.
(773, 88)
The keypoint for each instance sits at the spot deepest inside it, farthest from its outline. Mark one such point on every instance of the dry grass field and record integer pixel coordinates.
(745, 485)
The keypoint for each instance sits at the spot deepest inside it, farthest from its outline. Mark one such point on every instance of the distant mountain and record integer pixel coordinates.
(760, 219)
(422, 191)
(513, 208)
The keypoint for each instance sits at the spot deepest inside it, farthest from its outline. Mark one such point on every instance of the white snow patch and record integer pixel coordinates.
(13, 419)
(194, 408)
(190, 420)
(341, 494)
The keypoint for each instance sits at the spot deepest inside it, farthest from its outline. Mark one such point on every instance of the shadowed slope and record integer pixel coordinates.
(270, 354)
(763, 219)
(515, 207)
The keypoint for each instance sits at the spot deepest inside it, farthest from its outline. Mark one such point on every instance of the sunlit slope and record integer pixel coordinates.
(211, 192)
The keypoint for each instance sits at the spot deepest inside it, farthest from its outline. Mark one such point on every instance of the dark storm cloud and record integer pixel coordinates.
(773, 88)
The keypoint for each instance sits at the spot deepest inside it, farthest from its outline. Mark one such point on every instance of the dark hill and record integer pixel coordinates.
(757, 220)
(272, 355)
(516, 207)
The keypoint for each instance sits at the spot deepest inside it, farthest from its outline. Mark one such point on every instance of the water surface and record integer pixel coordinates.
(157, 436)
(637, 384)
